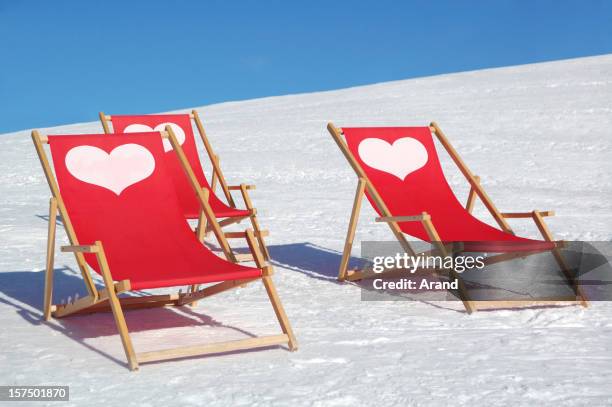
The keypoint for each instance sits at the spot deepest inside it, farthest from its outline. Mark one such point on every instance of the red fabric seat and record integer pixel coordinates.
(183, 129)
(117, 189)
(403, 165)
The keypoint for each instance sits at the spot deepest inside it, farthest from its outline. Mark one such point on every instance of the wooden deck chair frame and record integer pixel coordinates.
(476, 191)
(107, 299)
(219, 179)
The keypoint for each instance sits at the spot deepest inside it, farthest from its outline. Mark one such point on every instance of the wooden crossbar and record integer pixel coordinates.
(423, 216)
(211, 290)
(240, 187)
(212, 348)
(80, 248)
(231, 221)
(132, 303)
(243, 257)
(241, 235)
(110, 118)
(516, 215)
(503, 304)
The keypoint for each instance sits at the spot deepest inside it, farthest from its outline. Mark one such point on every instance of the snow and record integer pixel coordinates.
(538, 135)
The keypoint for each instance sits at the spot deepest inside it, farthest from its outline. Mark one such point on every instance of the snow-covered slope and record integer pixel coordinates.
(540, 137)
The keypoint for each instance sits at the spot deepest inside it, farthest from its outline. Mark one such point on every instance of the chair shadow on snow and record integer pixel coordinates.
(321, 263)
(23, 290)
(310, 259)
(58, 219)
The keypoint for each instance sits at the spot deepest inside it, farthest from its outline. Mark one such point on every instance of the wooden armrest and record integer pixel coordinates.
(513, 215)
(240, 235)
(235, 235)
(81, 249)
(239, 187)
(417, 218)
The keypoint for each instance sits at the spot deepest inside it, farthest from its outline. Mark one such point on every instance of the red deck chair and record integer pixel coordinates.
(400, 173)
(183, 129)
(116, 199)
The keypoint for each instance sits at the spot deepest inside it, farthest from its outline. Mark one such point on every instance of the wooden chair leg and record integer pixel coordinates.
(570, 279)
(543, 228)
(279, 311)
(201, 228)
(116, 308)
(259, 237)
(350, 234)
(213, 183)
(254, 221)
(462, 289)
(192, 289)
(48, 299)
(472, 196)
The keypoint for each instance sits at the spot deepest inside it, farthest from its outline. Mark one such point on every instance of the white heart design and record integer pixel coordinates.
(124, 166)
(140, 128)
(404, 156)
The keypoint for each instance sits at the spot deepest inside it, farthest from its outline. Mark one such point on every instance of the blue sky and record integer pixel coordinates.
(63, 61)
